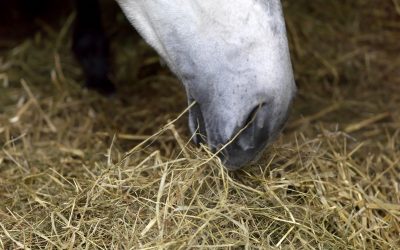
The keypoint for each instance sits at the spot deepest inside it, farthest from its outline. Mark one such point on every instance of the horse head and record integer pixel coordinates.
(232, 57)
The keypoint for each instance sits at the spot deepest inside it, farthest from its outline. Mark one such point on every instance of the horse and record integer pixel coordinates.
(231, 56)
(233, 59)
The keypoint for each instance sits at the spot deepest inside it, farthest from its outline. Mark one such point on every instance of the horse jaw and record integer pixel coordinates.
(231, 56)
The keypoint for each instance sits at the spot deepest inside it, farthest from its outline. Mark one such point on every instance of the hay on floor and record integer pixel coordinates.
(81, 171)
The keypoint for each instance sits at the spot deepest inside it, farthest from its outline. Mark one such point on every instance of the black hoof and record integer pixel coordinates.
(103, 86)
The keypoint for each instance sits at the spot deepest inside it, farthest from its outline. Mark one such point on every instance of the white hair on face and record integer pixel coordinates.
(155, 20)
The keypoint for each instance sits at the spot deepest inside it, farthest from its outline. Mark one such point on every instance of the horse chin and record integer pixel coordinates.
(235, 155)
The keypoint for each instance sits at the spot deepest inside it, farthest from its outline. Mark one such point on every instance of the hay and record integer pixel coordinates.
(78, 170)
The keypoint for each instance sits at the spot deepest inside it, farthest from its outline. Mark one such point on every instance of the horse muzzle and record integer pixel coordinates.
(246, 141)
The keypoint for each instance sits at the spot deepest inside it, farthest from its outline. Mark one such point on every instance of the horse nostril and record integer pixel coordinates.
(251, 140)
(255, 130)
(253, 114)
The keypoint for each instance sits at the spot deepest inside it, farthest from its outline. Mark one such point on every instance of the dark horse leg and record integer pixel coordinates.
(91, 47)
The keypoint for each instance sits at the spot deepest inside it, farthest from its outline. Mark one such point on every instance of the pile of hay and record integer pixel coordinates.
(78, 170)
